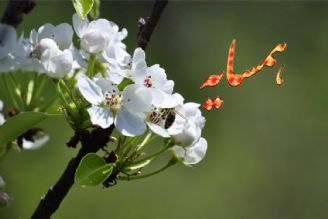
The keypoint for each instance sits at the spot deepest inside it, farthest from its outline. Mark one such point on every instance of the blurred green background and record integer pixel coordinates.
(268, 145)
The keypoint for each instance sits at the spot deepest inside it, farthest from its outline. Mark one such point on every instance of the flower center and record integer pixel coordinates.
(157, 116)
(113, 100)
(148, 82)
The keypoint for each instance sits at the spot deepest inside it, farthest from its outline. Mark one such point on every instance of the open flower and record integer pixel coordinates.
(61, 35)
(188, 126)
(163, 113)
(153, 77)
(186, 131)
(111, 106)
(102, 37)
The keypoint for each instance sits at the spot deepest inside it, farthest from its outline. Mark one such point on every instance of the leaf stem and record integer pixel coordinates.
(171, 162)
(91, 65)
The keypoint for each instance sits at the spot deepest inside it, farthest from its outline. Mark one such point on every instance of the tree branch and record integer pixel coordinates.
(147, 26)
(15, 10)
(91, 142)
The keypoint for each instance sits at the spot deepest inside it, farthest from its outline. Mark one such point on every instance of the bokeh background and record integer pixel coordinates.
(268, 145)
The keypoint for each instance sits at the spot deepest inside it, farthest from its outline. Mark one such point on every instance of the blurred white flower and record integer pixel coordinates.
(193, 154)
(61, 34)
(57, 63)
(36, 143)
(109, 105)
(8, 40)
(2, 118)
(52, 46)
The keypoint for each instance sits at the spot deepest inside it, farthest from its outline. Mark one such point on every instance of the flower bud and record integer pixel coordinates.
(4, 199)
(95, 41)
(43, 45)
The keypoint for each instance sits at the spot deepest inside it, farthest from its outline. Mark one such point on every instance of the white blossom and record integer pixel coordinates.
(2, 118)
(186, 131)
(110, 106)
(102, 37)
(37, 143)
(8, 40)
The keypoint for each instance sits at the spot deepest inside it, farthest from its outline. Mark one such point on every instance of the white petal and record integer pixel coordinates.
(190, 134)
(100, 116)
(105, 84)
(178, 125)
(30, 145)
(171, 101)
(1, 105)
(59, 64)
(46, 31)
(2, 119)
(90, 90)
(139, 66)
(79, 25)
(158, 130)
(137, 98)
(94, 41)
(63, 35)
(8, 39)
(196, 152)
(129, 124)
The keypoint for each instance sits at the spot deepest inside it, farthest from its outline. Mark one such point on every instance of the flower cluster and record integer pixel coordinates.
(119, 89)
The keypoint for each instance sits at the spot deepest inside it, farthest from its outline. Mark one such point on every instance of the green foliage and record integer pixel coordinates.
(19, 124)
(124, 83)
(83, 7)
(92, 170)
(95, 11)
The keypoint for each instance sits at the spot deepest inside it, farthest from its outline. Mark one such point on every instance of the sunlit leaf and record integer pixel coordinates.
(92, 170)
(82, 7)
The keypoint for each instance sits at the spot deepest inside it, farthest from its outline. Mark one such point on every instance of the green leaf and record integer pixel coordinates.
(82, 7)
(95, 11)
(124, 83)
(92, 170)
(19, 124)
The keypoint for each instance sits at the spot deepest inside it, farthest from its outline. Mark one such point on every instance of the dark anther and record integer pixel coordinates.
(110, 157)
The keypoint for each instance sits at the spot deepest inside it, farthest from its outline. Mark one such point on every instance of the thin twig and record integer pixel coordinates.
(15, 10)
(91, 142)
(146, 27)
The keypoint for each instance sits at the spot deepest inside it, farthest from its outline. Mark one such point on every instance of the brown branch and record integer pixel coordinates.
(91, 142)
(147, 26)
(15, 10)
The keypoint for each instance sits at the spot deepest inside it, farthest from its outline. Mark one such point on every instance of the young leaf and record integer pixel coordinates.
(95, 11)
(92, 170)
(82, 7)
(19, 124)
